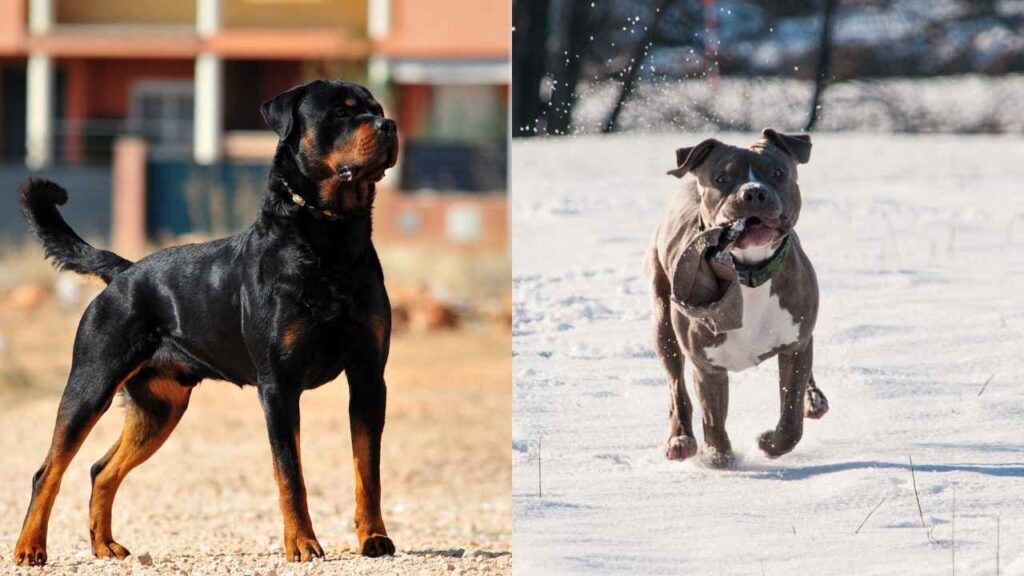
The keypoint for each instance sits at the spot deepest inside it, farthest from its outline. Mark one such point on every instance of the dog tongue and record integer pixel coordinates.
(757, 235)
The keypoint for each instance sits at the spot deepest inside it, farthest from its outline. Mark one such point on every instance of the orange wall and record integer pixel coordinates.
(100, 88)
(120, 12)
(350, 14)
(449, 29)
(236, 13)
(12, 25)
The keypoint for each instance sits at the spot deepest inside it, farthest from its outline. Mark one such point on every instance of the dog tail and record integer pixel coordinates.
(39, 200)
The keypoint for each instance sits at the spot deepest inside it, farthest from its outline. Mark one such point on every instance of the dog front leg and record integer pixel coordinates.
(713, 391)
(281, 409)
(681, 443)
(794, 374)
(366, 409)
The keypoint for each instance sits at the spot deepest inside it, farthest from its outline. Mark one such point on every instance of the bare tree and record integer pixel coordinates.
(640, 52)
(529, 57)
(824, 70)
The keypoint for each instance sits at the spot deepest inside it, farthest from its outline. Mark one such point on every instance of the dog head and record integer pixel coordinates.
(337, 134)
(755, 186)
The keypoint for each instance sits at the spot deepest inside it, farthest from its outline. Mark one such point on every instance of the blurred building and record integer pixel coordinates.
(187, 79)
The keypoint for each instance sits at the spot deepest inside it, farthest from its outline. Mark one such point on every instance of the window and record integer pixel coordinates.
(161, 110)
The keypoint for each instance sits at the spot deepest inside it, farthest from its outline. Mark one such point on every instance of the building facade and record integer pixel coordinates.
(187, 78)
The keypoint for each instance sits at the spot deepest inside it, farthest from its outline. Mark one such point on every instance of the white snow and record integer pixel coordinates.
(918, 243)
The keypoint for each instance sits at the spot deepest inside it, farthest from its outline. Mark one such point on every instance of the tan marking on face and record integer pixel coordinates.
(357, 151)
(359, 148)
(350, 102)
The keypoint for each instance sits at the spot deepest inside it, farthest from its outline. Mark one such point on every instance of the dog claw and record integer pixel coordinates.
(303, 549)
(376, 546)
(33, 557)
(110, 549)
(714, 458)
(680, 447)
(815, 404)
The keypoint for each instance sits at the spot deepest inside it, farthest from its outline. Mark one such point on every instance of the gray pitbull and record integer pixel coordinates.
(733, 287)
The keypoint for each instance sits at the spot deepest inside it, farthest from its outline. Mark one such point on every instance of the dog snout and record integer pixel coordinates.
(755, 196)
(386, 127)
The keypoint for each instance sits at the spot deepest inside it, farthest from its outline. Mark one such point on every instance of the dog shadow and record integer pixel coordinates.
(807, 472)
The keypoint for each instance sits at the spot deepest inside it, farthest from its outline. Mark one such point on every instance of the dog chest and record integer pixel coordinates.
(766, 327)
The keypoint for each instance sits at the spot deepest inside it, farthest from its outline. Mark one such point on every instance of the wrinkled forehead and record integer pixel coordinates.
(761, 154)
(325, 96)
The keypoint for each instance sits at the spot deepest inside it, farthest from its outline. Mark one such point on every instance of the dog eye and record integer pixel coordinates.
(340, 112)
(722, 179)
(778, 174)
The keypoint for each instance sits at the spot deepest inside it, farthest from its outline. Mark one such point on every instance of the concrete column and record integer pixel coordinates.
(40, 16)
(128, 204)
(39, 111)
(208, 17)
(208, 118)
(378, 25)
(209, 110)
(39, 98)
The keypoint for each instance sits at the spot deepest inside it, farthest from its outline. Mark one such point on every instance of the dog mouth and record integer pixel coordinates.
(385, 156)
(753, 232)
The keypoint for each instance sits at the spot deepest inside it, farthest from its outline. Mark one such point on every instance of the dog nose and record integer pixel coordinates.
(756, 196)
(387, 126)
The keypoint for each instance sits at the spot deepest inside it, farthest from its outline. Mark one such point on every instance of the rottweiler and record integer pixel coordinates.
(285, 306)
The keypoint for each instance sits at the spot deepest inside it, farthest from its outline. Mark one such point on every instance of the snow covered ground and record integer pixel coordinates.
(918, 244)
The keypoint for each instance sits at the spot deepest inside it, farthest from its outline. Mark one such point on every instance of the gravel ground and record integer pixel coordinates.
(206, 503)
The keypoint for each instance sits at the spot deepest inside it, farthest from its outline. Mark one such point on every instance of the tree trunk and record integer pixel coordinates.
(638, 56)
(529, 59)
(574, 23)
(824, 63)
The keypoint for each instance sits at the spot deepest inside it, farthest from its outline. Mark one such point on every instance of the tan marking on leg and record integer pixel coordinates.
(368, 518)
(299, 538)
(31, 546)
(143, 433)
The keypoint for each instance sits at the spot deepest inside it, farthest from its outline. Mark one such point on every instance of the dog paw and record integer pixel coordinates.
(377, 545)
(680, 447)
(30, 554)
(815, 404)
(774, 444)
(109, 549)
(714, 458)
(302, 549)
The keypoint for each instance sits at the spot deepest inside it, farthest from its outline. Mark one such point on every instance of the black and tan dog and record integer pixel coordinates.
(733, 287)
(286, 305)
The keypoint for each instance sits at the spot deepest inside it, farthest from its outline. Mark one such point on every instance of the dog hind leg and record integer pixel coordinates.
(109, 348)
(154, 405)
(815, 402)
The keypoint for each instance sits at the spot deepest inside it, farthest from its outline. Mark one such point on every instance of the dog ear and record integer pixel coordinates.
(689, 158)
(279, 111)
(798, 146)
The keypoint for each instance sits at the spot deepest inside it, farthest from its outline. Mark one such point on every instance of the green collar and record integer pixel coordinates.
(754, 276)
